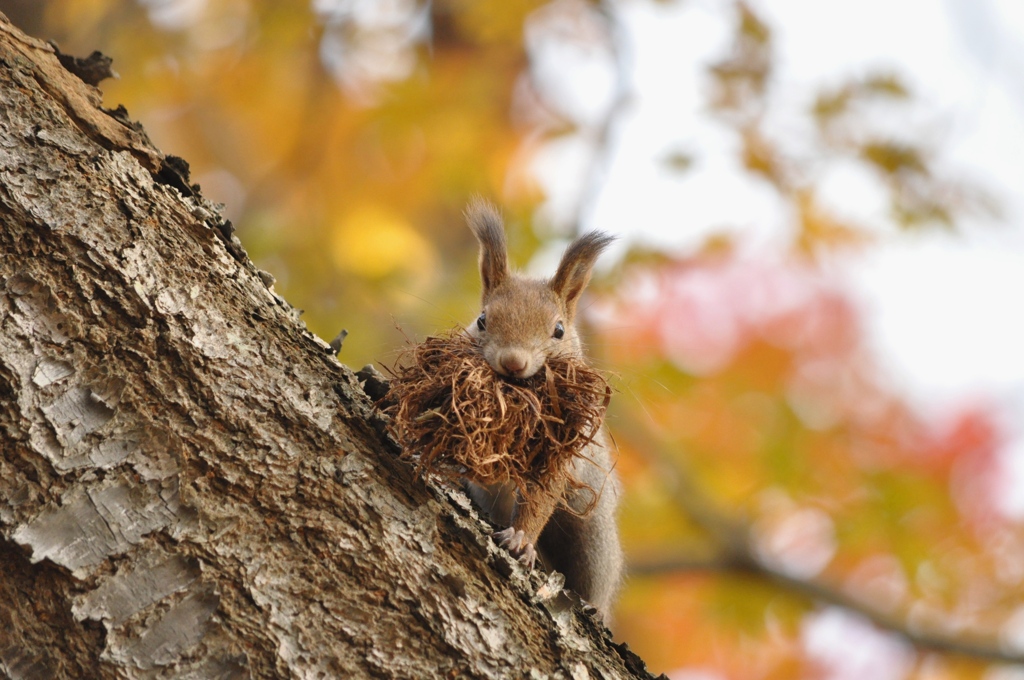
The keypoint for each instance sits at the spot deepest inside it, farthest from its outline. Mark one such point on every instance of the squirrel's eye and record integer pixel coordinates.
(481, 321)
(559, 331)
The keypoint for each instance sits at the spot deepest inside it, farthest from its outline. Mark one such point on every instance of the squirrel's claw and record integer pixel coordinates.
(515, 542)
(528, 556)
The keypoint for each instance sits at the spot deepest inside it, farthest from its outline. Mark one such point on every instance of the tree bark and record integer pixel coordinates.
(191, 485)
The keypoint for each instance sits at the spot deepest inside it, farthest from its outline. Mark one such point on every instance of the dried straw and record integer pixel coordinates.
(455, 416)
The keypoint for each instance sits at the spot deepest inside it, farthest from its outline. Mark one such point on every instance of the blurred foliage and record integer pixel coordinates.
(849, 126)
(769, 408)
(758, 442)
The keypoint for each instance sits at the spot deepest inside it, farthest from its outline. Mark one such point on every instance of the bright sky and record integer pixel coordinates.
(942, 310)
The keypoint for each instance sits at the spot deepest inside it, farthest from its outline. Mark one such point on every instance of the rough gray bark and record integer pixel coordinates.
(191, 485)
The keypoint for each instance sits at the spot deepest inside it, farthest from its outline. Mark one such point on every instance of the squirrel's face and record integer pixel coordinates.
(522, 324)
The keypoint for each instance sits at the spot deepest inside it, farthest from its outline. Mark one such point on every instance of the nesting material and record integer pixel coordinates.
(455, 416)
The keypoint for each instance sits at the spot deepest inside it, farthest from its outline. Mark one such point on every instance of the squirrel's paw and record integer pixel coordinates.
(515, 542)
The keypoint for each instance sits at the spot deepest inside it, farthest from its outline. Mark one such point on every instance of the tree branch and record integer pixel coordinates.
(602, 133)
(597, 135)
(733, 554)
(828, 594)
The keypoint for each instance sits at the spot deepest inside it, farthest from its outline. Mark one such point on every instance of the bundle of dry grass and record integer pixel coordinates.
(457, 417)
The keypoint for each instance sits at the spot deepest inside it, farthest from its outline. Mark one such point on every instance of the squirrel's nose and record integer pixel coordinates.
(513, 364)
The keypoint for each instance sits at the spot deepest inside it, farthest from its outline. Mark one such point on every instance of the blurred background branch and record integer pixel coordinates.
(735, 553)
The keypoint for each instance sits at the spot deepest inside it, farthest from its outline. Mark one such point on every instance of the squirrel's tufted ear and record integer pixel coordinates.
(574, 270)
(485, 222)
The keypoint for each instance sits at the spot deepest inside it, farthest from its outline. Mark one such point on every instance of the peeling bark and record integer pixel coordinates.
(191, 485)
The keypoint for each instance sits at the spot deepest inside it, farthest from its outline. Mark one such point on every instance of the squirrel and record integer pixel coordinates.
(524, 321)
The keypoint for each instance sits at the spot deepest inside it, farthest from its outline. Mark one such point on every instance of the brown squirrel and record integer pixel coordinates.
(525, 321)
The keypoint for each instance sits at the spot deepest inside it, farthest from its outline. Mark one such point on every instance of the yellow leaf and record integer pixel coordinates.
(374, 242)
